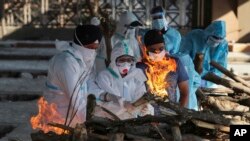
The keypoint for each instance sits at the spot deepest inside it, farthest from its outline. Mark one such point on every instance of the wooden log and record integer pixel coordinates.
(191, 114)
(116, 137)
(200, 95)
(225, 105)
(229, 74)
(176, 133)
(143, 138)
(211, 126)
(91, 103)
(149, 119)
(198, 62)
(237, 87)
(216, 90)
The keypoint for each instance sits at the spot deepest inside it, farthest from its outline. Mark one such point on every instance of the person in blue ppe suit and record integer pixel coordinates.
(193, 82)
(209, 42)
(71, 70)
(172, 37)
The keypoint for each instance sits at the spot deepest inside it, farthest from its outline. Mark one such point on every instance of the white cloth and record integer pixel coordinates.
(67, 71)
(130, 88)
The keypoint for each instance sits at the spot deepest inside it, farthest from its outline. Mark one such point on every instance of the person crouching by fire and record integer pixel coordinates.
(123, 85)
(70, 70)
(164, 72)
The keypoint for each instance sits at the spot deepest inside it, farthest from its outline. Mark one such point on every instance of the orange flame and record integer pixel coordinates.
(47, 113)
(157, 72)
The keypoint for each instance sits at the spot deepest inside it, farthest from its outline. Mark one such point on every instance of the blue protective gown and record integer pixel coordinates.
(196, 42)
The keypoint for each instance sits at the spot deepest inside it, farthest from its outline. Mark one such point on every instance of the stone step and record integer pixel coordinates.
(11, 53)
(28, 66)
(21, 86)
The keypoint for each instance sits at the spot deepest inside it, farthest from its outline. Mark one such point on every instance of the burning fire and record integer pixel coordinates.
(157, 73)
(47, 113)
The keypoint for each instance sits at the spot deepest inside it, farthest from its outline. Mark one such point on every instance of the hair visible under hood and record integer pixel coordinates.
(87, 34)
(126, 19)
(217, 28)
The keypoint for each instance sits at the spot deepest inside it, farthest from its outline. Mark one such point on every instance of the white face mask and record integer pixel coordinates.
(213, 42)
(124, 67)
(157, 56)
(88, 55)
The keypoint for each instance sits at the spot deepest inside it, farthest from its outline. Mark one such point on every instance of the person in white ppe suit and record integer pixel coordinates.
(125, 29)
(101, 57)
(70, 70)
(123, 84)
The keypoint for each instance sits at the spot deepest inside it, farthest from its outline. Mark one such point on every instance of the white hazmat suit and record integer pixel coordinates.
(129, 88)
(69, 70)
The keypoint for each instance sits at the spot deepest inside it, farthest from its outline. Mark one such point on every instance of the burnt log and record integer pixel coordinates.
(237, 87)
(229, 74)
(91, 103)
(191, 114)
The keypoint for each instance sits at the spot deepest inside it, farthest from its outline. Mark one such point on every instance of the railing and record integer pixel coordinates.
(64, 13)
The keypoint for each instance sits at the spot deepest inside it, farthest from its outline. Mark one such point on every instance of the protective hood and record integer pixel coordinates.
(120, 48)
(86, 57)
(126, 19)
(217, 28)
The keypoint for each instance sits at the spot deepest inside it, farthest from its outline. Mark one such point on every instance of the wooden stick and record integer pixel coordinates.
(210, 125)
(229, 74)
(217, 90)
(61, 126)
(237, 87)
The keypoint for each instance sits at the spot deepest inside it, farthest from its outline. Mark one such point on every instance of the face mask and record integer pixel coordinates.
(87, 54)
(158, 24)
(213, 42)
(124, 67)
(157, 56)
